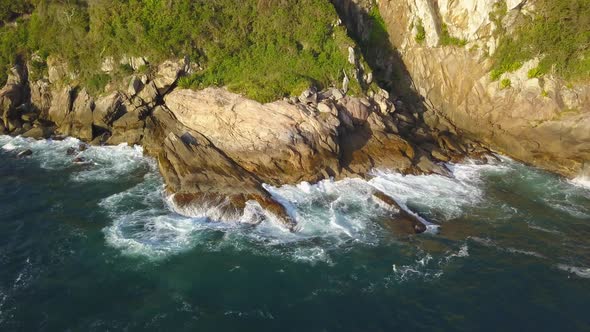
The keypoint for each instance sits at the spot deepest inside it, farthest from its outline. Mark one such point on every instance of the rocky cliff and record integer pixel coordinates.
(442, 50)
(215, 147)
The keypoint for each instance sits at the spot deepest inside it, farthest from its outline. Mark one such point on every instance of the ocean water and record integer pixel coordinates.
(98, 247)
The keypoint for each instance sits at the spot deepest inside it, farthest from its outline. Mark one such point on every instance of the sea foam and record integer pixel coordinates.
(331, 215)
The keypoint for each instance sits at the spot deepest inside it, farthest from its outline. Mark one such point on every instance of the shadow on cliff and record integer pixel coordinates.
(368, 30)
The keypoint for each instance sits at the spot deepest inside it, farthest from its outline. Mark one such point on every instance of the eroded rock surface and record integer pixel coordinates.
(217, 148)
(541, 121)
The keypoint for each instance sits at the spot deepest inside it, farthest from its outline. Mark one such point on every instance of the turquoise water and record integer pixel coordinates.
(92, 248)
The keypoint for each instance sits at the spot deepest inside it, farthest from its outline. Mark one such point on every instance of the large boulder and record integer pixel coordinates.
(107, 109)
(280, 142)
(168, 73)
(129, 127)
(39, 132)
(219, 148)
(41, 96)
(12, 95)
(71, 111)
(61, 104)
(357, 109)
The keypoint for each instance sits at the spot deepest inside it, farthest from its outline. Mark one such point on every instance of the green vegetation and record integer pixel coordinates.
(13, 41)
(499, 11)
(420, 32)
(97, 82)
(265, 49)
(447, 40)
(507, 67)
(378, 33)
(505, 84)
(11, 9)
(559, 34)
(535, 73)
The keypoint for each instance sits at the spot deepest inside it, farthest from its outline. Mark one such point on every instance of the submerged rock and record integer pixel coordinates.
(229, 208)
(24, 153)
(402, 221)
(82, 161)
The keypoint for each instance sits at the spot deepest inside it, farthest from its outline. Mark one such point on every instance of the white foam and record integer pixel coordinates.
(463, 252)
(581, 181)
(108, 163)
(545, 230)
(424, 267)
(9, 147)
(444, 197)
(582, 272)
(524, 252)
(331, 215)
(112, 162)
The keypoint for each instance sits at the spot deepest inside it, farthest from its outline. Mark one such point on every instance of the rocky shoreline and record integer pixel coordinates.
(541, 121)
(217, 147)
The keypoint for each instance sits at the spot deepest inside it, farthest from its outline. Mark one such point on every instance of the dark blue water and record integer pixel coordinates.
(93, 248)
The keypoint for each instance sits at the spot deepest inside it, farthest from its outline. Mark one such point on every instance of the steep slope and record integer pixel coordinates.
(448, 53)
(203, 111)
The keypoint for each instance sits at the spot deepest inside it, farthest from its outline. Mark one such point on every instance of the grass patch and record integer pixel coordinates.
(447, 40)
(507, 67)
(97, 82)
(420, 32)
(536, 72)
(505, 84)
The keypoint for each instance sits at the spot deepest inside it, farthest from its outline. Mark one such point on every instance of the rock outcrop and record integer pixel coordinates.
(216, 148)
(544, 122)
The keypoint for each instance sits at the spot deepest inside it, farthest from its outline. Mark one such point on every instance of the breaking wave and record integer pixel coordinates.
(331, 215)
(101, 163)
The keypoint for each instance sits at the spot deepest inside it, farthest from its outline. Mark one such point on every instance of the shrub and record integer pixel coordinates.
(11, 9)
(505, 84)
(420, 32)
(378, 35)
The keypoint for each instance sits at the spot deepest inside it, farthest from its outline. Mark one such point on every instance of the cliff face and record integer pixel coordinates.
(444, 48)
(218, 148)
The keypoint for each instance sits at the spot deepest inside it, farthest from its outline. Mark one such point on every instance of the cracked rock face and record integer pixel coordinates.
(217, 147)
(282, 142)
(544, 122)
